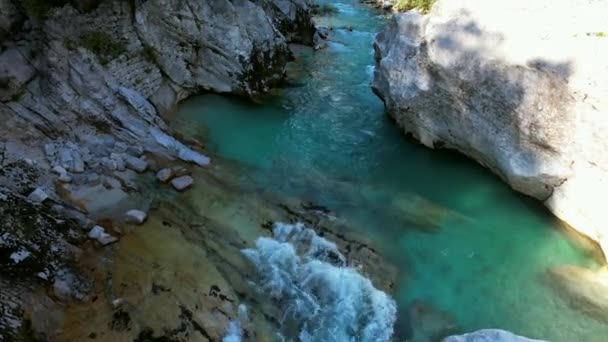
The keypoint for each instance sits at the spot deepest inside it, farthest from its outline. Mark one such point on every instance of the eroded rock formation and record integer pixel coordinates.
(519, 87)
(83, 87)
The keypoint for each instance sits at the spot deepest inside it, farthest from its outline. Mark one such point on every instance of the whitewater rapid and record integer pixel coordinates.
(321, 297)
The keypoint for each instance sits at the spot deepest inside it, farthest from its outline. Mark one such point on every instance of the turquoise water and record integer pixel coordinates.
(464, 243)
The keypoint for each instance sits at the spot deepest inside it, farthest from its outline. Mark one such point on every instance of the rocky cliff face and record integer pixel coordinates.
(525, 97)
(116, 68)
(83, 87)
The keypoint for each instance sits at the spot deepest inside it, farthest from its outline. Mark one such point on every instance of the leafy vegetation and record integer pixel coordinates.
(103, 45)
(407, 5)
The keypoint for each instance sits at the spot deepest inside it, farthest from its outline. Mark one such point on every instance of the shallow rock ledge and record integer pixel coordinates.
(525, 98)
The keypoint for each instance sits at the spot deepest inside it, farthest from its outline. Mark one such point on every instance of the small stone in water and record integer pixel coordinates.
(136, 164)
(135, 216)
(182, 183)
(106, 239)
(96, 232)
(164, 175)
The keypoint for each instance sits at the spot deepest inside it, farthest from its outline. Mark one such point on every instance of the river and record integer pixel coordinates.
(468, 249)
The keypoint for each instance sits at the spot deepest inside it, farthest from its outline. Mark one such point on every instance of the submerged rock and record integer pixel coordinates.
(320, 38)
(182, 183)
(136, 164)
(164, 175)
(489, 335)
(528, 104)
(99, 234)
(429, 323)
(135, 216)
(583, 289)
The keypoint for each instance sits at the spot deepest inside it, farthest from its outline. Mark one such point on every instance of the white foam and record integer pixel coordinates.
(321, 298)
(235, 331)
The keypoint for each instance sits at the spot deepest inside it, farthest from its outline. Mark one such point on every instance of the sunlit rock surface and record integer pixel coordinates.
(489, 335)
(525, 98)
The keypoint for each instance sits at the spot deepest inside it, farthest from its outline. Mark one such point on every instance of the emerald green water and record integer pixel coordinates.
(463, 241)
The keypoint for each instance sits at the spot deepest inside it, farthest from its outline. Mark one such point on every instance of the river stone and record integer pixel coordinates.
(489, 335)
(135, 216)
(525, 98)
(136, 164)
(50, 150)
(96, 232)
(107, 239)
(38, 196)
(99, 233)
(164, 175)
(119, 160)
(182, 183)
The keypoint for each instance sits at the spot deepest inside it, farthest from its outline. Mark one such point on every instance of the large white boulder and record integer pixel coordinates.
(520, 86)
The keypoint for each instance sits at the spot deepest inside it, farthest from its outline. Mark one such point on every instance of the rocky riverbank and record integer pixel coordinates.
(525, 97)
(83, 88)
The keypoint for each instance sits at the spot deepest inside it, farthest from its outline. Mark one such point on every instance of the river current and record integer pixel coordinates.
(470, 252)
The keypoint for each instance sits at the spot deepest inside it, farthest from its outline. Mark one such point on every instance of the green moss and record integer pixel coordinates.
(600, 34)
(407, 5)
(103, 45)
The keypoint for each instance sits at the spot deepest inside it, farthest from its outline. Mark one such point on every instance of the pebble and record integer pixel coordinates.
(120, 146)
(62, 173)
(107, 239)
(59, 170)
(96, 232)
(99, 233)
(164, 175)
(135, 216)
(182, 183)
(38, 196)
(136, 164)
(50, 150)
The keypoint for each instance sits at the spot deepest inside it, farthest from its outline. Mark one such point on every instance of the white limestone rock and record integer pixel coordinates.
(525, 98)
(182, 183)
(164, 175)
(96, 232)
(135, 216)
(38, 196)
(99, 234)
(136, 164)
(489, 335)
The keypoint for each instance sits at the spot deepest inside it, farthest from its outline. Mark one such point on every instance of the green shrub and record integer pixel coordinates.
(407, 5)
(103, 45)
